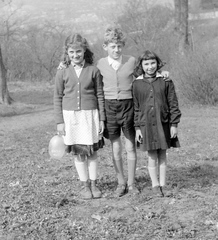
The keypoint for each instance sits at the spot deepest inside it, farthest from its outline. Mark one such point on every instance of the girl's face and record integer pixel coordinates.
(149, 67)
(76, 54)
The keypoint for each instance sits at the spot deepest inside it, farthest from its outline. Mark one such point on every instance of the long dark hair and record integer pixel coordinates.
(77, 40)
(147, 55)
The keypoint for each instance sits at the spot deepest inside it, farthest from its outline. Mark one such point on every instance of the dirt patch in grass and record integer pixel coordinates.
(39, 196)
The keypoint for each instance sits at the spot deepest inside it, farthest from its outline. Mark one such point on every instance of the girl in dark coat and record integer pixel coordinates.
(156, 116)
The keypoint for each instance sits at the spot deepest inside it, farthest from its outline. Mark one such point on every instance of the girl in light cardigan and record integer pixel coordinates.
(79, 111)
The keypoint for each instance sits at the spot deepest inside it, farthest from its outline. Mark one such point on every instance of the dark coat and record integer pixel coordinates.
(155, 110)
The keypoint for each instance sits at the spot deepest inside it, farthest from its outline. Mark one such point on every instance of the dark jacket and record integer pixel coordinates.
(155, 110)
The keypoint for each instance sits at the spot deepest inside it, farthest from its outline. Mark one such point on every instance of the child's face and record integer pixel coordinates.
(114, 50)
(149, 67)
(76, 54)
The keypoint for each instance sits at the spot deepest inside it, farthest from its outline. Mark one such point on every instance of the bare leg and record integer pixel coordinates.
(131, 160)
(117, 159)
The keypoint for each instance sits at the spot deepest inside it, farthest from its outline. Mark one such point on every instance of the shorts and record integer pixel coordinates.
(119, 116)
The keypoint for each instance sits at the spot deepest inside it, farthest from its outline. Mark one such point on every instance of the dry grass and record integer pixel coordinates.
(39, 196)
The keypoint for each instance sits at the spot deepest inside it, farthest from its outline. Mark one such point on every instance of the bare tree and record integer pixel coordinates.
(148, 26)
(181, 24)
(4, 94)
(10, 27)
(44, 44)
(11, 24)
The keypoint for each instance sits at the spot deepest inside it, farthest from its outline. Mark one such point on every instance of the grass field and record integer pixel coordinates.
(39, 196)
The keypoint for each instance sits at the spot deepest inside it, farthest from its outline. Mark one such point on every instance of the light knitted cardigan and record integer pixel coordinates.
(117, 84)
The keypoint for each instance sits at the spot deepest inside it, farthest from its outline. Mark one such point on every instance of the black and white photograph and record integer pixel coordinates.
(108, 119)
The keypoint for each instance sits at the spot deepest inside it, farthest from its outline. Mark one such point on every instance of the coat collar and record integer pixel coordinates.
(142, 76)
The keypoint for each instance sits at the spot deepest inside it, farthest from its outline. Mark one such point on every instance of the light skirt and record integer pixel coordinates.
(81, 127)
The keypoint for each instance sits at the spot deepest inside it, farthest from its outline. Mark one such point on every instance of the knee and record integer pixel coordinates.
(130, 149)
(152, 158)
(116, 155)
(162, 157)
(130, 145)
(116, 149)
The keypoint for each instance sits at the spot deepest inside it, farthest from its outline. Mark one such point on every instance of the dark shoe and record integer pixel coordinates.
(156, 192)
(166, 192)
(96, 193)
(132, 190)
(120, 191)
(86, 193)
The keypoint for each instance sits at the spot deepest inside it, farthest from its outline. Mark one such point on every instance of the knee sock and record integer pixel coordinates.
(131, 171)
(92, 168)
(152, 167)
(162, 159)
(162, 175)
(81, 167)
(153, 175)
(118, 165)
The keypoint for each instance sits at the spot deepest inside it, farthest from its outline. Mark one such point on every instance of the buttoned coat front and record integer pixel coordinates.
(74, 93)
(155, 110)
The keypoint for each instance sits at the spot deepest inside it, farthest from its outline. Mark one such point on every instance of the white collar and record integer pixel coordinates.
(111, 60)
(81, 65)
(142, 76)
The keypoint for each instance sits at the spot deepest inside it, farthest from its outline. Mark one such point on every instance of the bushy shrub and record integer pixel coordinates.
(196, 76)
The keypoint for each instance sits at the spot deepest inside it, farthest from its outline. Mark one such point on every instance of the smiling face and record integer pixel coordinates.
(113, 49)
(149, 67)
(76, 54)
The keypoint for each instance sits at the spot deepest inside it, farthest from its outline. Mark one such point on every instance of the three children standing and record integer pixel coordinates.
(84, 92)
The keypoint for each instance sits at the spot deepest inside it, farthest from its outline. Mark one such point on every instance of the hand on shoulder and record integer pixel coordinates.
(62, 66)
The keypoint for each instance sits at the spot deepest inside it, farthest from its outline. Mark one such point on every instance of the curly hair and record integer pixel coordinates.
(114, 35)
(147, 55)
(76, 40)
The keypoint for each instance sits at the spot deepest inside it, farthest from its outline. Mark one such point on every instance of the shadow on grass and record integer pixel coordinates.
(11, 111)
(196, 176)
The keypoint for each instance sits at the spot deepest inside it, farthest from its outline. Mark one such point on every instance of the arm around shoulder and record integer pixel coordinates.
(58, 96)
(100, 94)
(175, 113)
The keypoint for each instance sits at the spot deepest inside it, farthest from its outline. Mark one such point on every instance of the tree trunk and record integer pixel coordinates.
(177, 4)
(181, 19)
(4, 94)
(184, 22)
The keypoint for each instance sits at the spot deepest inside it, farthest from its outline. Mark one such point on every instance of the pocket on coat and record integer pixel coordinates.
(142, 119)
(165, 116)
